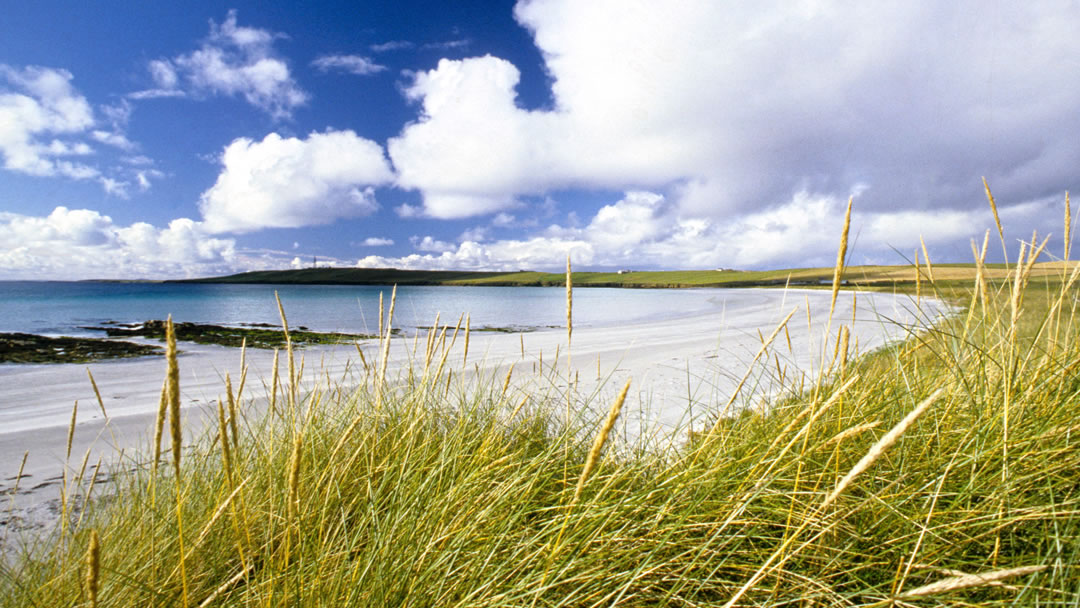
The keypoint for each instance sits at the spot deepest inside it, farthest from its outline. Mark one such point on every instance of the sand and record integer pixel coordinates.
(683, 370)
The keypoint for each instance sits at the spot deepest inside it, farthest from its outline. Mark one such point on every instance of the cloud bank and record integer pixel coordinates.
(732, 110)
(643, 230)
(80, 243)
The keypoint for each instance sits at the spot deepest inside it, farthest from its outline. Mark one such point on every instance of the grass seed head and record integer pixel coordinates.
(173, 375)
(997, 219)
(294, 477)
(232, 410)
(93, 568)
(71, 430)
(600, 440)
(841, 255)
(159, 422)
(880, 447)
(966, 581)
(926, 257)
(97, 393)
(1068, 226)
(569, 301)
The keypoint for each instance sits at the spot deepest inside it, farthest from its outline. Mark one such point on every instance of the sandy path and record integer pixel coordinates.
(682, 369)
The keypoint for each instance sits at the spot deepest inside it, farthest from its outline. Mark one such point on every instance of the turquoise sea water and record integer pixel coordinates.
(62, 308)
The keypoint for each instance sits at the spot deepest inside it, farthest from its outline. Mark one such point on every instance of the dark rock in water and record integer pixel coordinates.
(30, 348)
(201, 333)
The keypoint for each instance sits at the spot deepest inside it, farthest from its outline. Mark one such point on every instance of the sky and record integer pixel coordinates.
(163, 140)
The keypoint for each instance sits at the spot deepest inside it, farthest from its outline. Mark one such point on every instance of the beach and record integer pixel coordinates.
(683, 371)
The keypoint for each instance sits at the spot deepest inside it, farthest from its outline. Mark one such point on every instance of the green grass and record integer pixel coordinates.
(427, 491)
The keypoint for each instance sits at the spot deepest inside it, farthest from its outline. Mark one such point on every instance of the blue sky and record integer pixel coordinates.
(151, 140)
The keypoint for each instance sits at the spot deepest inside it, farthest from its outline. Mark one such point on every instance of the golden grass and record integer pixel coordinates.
(599, 441)
(841, 257)
(93, 568)
(937, 471)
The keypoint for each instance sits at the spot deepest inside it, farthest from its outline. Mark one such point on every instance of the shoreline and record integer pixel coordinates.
(682, 369)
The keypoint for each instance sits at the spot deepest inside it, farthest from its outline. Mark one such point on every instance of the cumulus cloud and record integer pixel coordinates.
(354, 64)
(232, 61)
(469, 106)
(729, 110)
(77, 243)
(286, 182)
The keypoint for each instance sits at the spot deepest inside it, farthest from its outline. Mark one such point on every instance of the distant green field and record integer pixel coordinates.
(866, 276)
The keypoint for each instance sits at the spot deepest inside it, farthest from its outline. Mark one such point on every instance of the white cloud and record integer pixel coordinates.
(114, 187)
(407, 211)
(285, 182)
(41, 106)
(354, 64)
(430, 244)
(447, 45)
(118, 140)
(502, 219)
(375, 241)
(733, 109)
(644, 230)
(472, 149)
(392, 45)
(163, 73)
(139, 160)
(118, 114)
(60, 148)
(142, 178)
(81, 243)
(156, 94)
(476, 233)
(232, 61)
(44, 121)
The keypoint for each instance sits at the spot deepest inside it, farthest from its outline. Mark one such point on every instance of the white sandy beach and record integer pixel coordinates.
(682, 371)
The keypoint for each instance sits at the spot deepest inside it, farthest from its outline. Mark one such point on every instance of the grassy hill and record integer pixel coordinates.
(855, 276)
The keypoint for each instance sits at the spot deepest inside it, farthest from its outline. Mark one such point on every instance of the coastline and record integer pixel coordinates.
(682, 369)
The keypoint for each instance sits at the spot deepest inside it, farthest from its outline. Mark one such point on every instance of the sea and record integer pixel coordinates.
(54, 308)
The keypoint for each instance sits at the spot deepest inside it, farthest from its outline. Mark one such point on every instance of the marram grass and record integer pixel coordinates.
(944, 470)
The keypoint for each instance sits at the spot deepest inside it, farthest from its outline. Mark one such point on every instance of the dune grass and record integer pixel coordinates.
(939, 471)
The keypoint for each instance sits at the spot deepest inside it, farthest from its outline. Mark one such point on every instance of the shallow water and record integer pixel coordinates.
(64, 308)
